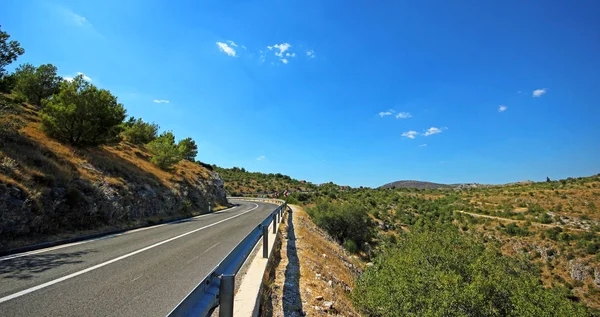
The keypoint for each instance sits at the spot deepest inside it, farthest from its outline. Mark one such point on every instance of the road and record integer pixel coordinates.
(144, 272)
(523, 221)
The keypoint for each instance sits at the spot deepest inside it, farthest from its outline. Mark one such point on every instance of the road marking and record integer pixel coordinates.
(64, 278)
(18, 255)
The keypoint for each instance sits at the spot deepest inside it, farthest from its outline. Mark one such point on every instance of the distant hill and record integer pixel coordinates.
(416, 184)
(240, 182)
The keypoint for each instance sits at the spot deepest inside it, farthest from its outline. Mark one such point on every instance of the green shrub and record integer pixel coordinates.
(140, 132)
(83, 115)
(351, 246)
(444, 273)
(164, 151)
(344, 222)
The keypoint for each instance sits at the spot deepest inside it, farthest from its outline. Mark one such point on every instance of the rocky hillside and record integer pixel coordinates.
(49, 190)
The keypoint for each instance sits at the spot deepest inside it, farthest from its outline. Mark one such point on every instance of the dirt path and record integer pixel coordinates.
(537, 224)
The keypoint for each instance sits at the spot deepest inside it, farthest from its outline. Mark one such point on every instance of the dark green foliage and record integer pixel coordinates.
(343, 222)
(9, 51)
(36, 84)
(140, 132)
(443, 273)
(164, 150)
(546, 218)
(188, 149)
(83, 115)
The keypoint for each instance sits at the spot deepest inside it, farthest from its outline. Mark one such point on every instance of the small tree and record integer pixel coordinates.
(547, 179)
(140, 132)
(38, 83)
(83, 115)
(164, 150)
(188, 149)
(9, 51)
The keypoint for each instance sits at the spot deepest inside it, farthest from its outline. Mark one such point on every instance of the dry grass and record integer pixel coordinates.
(325, 270)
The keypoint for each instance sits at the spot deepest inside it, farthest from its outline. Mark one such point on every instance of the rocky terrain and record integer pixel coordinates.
(49, 190)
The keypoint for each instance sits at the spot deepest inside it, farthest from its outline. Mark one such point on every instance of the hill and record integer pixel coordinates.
(240, 182)
(50, 190)
(415, 184)
(552, 226)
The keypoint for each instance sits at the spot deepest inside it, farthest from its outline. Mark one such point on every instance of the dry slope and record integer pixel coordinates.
(314, 275)
(49, 190)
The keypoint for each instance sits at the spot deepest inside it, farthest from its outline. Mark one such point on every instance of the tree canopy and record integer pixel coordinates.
(36, 84)
(83, 115)
(9, 51)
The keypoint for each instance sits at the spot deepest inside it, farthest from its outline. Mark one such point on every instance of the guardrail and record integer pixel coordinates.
(216, 289)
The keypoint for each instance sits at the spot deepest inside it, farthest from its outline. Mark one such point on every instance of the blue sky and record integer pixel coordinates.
(355, 92)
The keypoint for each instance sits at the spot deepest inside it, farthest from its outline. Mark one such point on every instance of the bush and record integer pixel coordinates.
(36, 84)
(83, 115)
(164, 150)
(444, 273)
(140, 132)
(344, 222)
(9, 51)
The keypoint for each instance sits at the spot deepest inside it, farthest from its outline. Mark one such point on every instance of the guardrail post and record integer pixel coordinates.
(275, 223)
(226, 295)
(265, 241)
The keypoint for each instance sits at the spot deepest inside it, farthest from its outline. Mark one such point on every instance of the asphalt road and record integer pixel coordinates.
(144, 272)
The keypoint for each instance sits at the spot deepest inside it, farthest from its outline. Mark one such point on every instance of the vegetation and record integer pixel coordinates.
(239, 181)
(349, 224)
(164, 150)
(83, 115)
(188, 149)
(36, 84)
(140, 132)
(557, 250)
(9, 51)
(443, 273)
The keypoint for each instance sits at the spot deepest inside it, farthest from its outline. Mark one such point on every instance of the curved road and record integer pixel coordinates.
(144, 272)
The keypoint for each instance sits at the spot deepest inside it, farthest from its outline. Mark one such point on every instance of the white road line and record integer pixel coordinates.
(62, 246)
(64, 278)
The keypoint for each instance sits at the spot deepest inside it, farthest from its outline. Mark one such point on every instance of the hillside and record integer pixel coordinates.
(553, 227)
(50, 190)
(415, 184)
(239, 182)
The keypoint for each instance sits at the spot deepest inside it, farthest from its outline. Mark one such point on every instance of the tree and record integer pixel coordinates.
(188, 149)
(164, 150)
(140, 132)
(9, 51)
(83, 115)
(36, 84)
(547, 179)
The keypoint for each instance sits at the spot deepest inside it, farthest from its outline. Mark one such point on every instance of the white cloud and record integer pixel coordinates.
(403, 115)
(281, 47)
(432, 131)
(539, 92)
(86, 78)
(223, 47)
(386, 113)
(410, 134)
(284, 60)
(244, 46)
(290, 55)
(310, 54)
(80, 20)
(260, 158)
(519, 92)
(68, 78)
(232, 43)
(502, 108)
(423, 145)
(160, 101)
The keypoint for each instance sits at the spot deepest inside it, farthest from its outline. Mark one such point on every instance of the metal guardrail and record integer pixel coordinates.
(206, 296)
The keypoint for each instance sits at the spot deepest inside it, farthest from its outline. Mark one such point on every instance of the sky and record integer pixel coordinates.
(360, 93)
